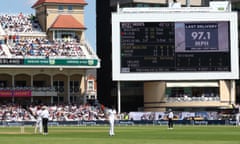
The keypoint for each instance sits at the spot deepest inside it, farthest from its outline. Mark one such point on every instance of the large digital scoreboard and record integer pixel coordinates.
(175, 46)
(170, 46)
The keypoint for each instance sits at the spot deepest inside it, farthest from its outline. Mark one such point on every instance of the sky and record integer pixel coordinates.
(24, 6)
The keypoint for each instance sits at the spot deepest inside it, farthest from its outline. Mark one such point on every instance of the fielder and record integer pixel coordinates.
(237, 114)
(111, 117)
(237, 119)
(38, 126)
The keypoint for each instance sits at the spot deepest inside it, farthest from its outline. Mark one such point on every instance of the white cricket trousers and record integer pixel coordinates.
(111, 130)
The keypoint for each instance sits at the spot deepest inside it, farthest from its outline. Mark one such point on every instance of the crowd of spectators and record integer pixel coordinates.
(61, 112)
(15, 24)
(46, 48)
(19, 23)
(96, 112)
(2, 53)
(14, 112)
(200, 97)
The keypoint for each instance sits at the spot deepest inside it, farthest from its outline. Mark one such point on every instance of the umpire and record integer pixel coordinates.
(170, 119)
(45, 116)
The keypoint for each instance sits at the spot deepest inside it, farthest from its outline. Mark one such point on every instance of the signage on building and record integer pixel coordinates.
(15, 93)
(50, 62)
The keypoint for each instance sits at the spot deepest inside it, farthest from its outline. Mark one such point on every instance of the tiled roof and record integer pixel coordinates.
(67, 22)
(39, 2)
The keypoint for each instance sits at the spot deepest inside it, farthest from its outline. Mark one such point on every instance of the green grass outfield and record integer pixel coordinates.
(124, 135)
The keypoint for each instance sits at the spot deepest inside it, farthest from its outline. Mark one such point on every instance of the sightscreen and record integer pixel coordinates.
(175, 46)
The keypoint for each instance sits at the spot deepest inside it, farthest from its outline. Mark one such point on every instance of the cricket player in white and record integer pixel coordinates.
(38, 125)
(238, 115)
(111, 117)
(237, 119)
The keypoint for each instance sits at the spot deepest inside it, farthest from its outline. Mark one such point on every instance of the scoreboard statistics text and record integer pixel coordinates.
(174, 46)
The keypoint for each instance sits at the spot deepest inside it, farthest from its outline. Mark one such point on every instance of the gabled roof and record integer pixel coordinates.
(66, 22)
(39, 2)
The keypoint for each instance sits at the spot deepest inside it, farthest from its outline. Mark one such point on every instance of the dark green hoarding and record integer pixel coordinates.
(50, 62)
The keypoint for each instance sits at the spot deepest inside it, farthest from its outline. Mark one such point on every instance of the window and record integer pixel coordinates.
(59, 86)
(60, 8)
(92, 97)
(142, 5)
(70, 7)
(62, 35)
(20, 83)
(58, 99)
(177, 92)
(74, 86)
(3, 84)
(73, 99)
(39, 83)
(90, 85)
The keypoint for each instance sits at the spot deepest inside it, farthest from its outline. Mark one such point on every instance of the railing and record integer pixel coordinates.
(29, 88)
(190, 99)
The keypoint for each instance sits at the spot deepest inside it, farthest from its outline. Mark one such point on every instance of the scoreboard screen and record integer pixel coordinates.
(174, 46)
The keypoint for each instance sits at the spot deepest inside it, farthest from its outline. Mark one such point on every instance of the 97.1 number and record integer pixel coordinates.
(201, 35)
